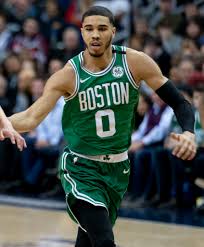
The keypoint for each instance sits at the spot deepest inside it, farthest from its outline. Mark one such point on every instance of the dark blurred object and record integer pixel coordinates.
(5, 36)
(11, 67)
(52, 22)
(30, 43)
(194, 29)
(70, 46)
(19, 11)
(200, 200)
(10, 162)
(4, 102)
(153, 48)
(196, 78)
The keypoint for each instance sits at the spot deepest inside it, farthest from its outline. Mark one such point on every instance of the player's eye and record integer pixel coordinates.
(88, 29)
(102, 29)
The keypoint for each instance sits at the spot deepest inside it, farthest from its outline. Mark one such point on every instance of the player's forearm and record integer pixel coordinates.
(23, 122)
(29, 119)
(182, 108)
(3, 119)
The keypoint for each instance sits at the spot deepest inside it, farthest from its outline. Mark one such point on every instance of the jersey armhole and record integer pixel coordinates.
(127, 71)
(76, 89)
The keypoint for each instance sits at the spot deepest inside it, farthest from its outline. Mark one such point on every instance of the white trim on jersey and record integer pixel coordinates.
(76, 89)
(128, 73)
(75, 192)
(106, 158)
(100, 73)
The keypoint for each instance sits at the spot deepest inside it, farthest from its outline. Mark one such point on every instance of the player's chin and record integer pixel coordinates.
(96, 54)
(96, 51)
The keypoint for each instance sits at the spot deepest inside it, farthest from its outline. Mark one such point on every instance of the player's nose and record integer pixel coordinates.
(95, 34)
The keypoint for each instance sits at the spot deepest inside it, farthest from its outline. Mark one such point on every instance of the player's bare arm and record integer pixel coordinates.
(144, 68)
(62, 83)
(7, 131)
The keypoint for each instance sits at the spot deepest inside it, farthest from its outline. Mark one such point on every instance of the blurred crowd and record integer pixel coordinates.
(38, 37)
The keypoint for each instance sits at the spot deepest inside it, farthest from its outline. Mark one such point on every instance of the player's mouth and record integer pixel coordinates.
(95, 45)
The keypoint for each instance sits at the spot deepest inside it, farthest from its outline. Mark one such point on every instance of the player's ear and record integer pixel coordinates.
(113, 31)
(81, 31)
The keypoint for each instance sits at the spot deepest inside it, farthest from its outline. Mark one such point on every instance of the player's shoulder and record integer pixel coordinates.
(68, 68)
(142, 61)
(137, 61)
(63, 79)
(66, 74)
(134, 55)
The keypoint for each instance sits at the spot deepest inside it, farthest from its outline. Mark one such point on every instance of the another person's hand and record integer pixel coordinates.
(135, 146)
(185, 148)
(9, 132)
(170, 143)
(41, 144)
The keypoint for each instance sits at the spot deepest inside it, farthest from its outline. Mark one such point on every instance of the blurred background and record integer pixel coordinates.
(38, 37)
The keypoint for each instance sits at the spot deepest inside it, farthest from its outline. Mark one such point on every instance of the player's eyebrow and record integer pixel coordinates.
(101, 25)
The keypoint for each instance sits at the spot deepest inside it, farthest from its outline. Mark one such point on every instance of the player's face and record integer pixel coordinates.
(198, 99)
(97, 33)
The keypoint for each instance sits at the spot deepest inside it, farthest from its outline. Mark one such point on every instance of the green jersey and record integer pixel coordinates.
(98, 118)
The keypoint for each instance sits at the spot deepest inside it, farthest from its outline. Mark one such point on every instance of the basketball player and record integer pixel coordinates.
(7, 131)
(100, 88)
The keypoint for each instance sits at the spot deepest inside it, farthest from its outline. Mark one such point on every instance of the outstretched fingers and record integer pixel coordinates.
(6, 133)
(15, 138)
(20, 141)
(1, 135)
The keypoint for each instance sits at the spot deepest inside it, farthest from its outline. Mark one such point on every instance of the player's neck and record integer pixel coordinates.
(96, 64)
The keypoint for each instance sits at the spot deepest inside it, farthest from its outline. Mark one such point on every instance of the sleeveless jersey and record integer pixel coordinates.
(98, 118)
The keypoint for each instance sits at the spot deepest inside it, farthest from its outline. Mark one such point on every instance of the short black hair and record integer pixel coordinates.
(99, 10)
